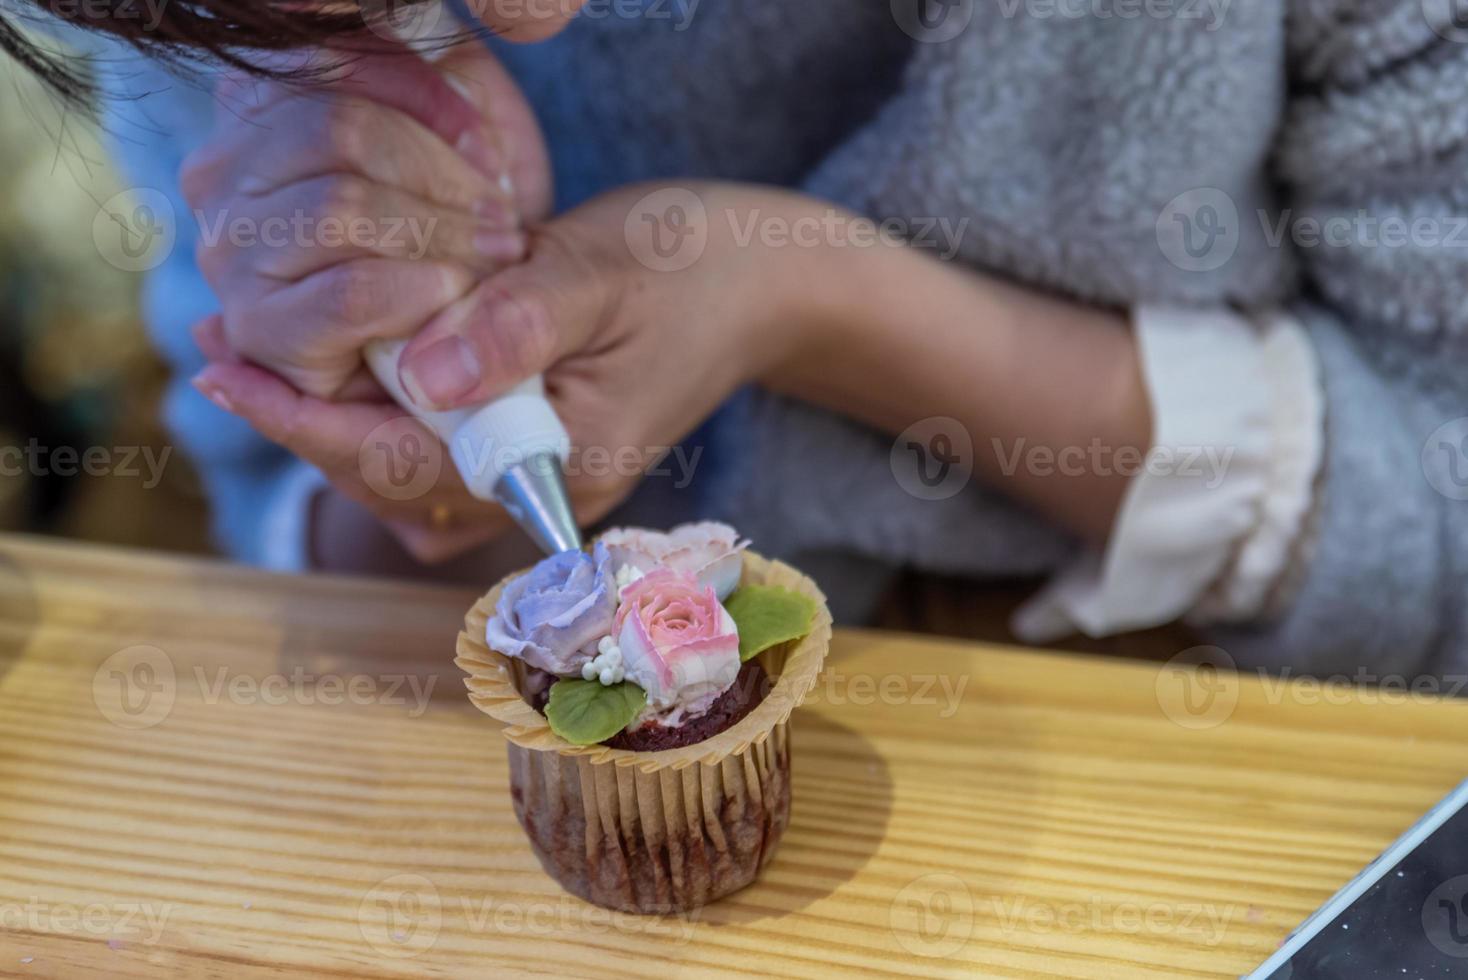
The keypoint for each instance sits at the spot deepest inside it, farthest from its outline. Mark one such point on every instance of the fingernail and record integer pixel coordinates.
(210, 390)
(501, 246)
(482, 152)
(496, 213)
(441, 373)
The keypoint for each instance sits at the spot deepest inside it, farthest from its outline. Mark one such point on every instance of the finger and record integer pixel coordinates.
(511, 327)
(339, 134)
(383, 72)
(466, 97)
(518, 144)
(209, 335)
(363, 386)
(319, 432)
(312, 332)
(342, 440)
(338, 439)
(290, 233)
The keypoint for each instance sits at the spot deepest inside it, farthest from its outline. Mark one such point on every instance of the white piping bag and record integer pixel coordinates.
(510, 451)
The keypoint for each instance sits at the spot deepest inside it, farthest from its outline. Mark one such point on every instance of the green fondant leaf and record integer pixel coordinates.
(768, 615)
(588, 712)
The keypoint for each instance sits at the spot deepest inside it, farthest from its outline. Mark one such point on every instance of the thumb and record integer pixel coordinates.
(513, 326)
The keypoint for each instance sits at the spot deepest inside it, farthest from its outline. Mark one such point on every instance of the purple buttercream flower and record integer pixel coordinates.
(552, 616)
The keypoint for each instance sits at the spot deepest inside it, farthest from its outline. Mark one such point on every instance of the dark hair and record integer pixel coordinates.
(225, 31)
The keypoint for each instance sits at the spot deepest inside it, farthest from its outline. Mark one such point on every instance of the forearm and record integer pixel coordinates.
(892, 336)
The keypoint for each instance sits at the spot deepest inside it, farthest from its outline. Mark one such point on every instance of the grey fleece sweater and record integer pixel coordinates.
(1061, 132)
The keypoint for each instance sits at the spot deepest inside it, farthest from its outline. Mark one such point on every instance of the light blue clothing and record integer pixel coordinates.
(153, 120)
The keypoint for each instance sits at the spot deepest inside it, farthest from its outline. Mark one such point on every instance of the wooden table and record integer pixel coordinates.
(207, 771)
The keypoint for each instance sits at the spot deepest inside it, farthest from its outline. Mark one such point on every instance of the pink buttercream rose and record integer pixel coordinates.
(678, 642)
(708, 552)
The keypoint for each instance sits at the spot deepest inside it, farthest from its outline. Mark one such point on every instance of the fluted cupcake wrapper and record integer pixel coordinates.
(653, 831)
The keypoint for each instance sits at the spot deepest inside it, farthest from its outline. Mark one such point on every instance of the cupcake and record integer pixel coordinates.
(645, 689)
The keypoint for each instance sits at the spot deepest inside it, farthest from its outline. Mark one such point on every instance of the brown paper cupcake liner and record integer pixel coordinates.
(653, 831)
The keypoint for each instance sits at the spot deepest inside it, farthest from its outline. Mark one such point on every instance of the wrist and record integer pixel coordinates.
(772, 268)
(873, 323)
(809, 276)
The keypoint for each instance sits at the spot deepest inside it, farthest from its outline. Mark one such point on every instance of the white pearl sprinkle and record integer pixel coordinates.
(607, 665)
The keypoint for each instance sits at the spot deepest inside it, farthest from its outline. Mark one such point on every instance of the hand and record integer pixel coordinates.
(361, 208)
(388, 145)
(634, 359)
(806, 300)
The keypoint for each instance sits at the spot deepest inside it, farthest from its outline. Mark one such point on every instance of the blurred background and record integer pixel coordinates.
(77, 370)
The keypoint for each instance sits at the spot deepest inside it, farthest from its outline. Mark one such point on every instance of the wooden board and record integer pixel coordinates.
(288, 781)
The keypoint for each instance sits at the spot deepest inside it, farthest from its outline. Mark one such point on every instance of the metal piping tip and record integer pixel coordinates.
(534, 492)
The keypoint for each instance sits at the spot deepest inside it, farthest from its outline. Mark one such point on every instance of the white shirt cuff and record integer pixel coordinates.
(1210, 521)
(286, 525)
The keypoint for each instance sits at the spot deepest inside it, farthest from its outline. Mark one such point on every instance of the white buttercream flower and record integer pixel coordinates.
(708, 552)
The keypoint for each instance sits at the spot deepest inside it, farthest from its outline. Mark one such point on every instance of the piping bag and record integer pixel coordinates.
(510, 451)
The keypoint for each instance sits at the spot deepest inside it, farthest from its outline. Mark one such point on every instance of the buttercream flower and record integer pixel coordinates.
(552, 616)
(708, 552)
(678, 643)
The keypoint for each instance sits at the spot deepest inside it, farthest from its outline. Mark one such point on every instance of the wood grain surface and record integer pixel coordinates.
(212, 772)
